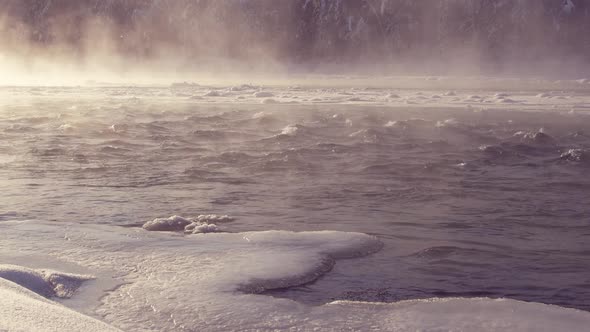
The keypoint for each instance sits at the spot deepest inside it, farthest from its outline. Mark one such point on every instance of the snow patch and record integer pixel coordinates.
(46, 283)
(209, 283)
(24, 310)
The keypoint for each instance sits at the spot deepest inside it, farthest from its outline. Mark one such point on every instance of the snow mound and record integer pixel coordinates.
(25, 310)
(196, 228)
(214, 218)
(337, 245)
(46, 283)
(461, 314)
(171, 224)
(201, 224)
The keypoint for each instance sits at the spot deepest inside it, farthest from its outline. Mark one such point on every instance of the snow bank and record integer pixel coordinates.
(24, 310)
(460, 314)
(212, 283)
(46, 283)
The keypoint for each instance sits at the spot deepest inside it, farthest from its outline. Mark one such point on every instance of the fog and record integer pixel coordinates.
(149, 41)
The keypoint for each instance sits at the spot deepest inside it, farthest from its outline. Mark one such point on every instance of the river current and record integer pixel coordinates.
(469, 201)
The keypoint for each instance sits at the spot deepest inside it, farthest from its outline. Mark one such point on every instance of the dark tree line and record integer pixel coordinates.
(311, 30)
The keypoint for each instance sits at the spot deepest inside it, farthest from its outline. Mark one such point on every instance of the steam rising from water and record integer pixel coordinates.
(60, 41)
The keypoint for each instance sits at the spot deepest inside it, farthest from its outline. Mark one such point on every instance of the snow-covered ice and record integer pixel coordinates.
(210, 282)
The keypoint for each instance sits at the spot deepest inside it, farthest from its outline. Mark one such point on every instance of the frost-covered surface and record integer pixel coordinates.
(205, 283)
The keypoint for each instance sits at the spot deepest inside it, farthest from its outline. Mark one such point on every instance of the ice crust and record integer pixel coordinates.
(210, 282)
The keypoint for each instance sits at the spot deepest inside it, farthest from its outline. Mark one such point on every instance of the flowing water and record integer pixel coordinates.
(468, 202)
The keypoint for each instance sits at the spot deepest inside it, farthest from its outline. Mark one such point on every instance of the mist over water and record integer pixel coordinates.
(468, 201)
(302, 165)
(145, 41)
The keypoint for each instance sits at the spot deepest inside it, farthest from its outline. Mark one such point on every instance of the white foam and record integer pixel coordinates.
(66, 127)
(447, 123)
(290, 130)
(259, 115)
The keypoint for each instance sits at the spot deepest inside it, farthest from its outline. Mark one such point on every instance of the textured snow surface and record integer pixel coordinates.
(44, 282)
(22, 309)
(210, 282)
